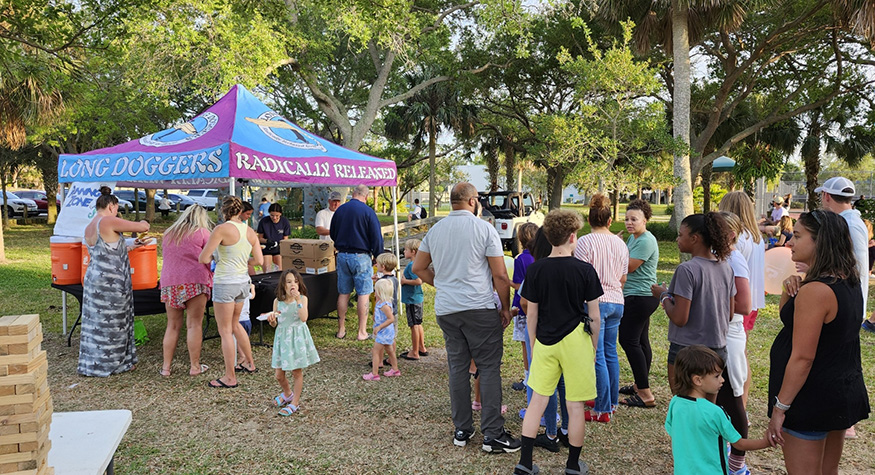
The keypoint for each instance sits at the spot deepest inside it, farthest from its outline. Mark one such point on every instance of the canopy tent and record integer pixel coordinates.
(237, 138)
(723, 164)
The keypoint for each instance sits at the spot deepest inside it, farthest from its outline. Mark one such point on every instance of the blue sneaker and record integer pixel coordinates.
(868, 326)
(742, 471)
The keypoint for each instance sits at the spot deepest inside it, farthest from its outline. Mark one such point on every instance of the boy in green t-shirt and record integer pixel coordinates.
(699, 429)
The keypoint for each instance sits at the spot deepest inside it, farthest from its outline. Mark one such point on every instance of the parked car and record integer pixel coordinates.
(184, 201)
(507, 211)
(39, 197)
(128, 195)
(205, 197)
(16, 206)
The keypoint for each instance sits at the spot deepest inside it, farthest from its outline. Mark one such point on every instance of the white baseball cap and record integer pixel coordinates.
(839, 186)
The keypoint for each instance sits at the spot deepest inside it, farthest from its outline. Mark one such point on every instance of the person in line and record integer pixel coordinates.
(816, 387)
(233, 241)
(468, 267)
(293, 347)
(412, 298)
(736, 345)
(563, 321)
(185, 285)
(355, 230)
(525, 234)
(698, 428)
(271, 230)
(608, 254)
(106, 341)
(263, 208)
(384, 332)
(639, 304)
(323, 217)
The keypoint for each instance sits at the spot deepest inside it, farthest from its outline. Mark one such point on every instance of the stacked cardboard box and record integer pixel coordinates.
(308, 256)
(25, 402)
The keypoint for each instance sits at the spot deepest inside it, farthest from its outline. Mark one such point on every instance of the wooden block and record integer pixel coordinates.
(23, 325)
(27, 465)
(11, 429)
(8, 449)
(17, 438)
(18, 458)
(5, 322)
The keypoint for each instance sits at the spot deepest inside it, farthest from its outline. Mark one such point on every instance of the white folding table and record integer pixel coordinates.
(85, 442)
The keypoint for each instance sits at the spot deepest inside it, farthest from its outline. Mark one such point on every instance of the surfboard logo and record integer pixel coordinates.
(181, 133)
(281, 130)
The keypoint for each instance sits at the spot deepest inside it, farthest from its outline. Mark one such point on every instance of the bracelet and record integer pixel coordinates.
(665, 297)
(780, 405)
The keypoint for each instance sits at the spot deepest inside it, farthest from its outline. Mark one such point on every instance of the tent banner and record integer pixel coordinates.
(79, 208)
(211, 162)
(250, 164)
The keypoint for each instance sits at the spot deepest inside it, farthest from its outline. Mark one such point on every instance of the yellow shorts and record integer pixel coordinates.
(572, 357)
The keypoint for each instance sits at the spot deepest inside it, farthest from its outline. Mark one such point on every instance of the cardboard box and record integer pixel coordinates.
(306, 265)
(306, 248)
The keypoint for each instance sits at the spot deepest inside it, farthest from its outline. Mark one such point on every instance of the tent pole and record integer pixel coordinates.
(231, 185)
(397, 246)
(63, 294)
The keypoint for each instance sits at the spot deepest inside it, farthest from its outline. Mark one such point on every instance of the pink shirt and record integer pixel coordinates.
(609, 256)
(181, 264)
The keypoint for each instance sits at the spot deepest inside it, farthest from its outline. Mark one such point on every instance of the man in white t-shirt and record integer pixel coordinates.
(323, 217)
(417, 211)
(770, 226)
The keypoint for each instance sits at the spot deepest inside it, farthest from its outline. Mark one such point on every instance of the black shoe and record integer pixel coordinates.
(563, 438)
(518, 386)
(505, 443)
(522, 470)
(461, 437)
(550, 444)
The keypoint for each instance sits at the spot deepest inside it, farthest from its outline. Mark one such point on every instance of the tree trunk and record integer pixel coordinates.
(555, 183)
(492, 168)
(509, 168)
(616, 198)
(706, 187)
(683, 196)
(150, 205)
(432, 180)
(811, 159)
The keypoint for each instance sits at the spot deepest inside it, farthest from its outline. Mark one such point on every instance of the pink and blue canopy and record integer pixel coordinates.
(237, 138)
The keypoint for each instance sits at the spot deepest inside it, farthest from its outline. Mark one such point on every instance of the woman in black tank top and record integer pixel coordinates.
(816, 387)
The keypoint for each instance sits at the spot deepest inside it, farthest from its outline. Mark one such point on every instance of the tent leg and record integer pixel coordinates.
(397, 246)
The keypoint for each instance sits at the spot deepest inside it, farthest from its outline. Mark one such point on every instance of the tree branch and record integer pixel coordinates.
(442, 15)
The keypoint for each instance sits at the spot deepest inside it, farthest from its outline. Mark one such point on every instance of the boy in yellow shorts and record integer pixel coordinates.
(563, 322)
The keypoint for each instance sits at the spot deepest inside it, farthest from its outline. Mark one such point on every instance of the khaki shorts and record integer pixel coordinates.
(573, 357)
(228, 293)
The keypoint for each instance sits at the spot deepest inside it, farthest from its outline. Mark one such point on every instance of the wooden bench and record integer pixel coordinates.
(85, 442)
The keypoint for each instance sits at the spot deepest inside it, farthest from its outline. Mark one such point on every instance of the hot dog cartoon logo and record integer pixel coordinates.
(181, 133)
(281, 130)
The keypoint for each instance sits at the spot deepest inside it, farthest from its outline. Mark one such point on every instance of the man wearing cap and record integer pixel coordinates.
(323, 217)
(355, 230)
(836, 195)
(770, 226)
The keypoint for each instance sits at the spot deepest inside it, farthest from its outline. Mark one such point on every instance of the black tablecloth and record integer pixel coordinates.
(321, 290)
(146, 301)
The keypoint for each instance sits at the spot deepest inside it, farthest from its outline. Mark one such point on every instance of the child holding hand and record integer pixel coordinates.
(293, 348)
(699, 429)
(412, 297)
(384, 331)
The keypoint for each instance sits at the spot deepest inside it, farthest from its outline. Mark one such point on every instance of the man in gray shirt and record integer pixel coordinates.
(468, 264)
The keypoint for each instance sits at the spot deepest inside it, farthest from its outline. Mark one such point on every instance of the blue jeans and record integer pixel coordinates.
(354, 271)
(607, 365)
(556, 401)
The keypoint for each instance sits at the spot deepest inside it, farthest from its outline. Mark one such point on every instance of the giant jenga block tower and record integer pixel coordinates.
(25, 403)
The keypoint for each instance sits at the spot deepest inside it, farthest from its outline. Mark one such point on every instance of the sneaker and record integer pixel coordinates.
(545, 442)
(505, 443)
(741, 471)
(518, 386)
(868, 326)
(563, 438)
(461, 437)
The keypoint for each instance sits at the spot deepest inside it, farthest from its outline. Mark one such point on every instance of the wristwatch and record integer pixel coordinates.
(780, 405)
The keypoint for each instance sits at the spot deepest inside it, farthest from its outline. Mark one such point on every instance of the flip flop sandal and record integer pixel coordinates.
(288, 410)
(408, 358)
(218, 383)
(162, 371)
(242, 369)
(628, 390)
(204, 369)
(282, 401)
(522, 470)
(423, 353)
(636, 401)
(340, 336)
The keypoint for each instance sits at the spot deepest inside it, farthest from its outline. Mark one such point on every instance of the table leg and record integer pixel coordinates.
(64, 312)
(70, 335)
(110, 469)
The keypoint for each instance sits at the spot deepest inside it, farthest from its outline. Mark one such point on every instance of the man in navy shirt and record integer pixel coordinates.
(357, 237)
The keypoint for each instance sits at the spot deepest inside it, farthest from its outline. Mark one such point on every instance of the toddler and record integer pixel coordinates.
(384, 332)
(699, 428)
(293, 348)
(412, 297)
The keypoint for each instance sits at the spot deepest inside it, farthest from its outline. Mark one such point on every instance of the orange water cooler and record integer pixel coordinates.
(65, 253)
(84, 260)
(144, 264)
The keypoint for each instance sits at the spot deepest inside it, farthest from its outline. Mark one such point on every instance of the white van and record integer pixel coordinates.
(204, 197)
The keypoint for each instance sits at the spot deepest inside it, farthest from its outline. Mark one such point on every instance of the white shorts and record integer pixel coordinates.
(736, 360)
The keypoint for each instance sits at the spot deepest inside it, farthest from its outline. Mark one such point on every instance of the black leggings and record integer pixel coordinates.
(635, 336)
(734, 408)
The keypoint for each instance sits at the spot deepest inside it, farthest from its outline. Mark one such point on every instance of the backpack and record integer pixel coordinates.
(423, 213)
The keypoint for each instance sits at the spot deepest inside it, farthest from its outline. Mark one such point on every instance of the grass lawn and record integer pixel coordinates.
(398, 425)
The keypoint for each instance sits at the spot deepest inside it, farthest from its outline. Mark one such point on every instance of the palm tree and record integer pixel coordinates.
(434, 109)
